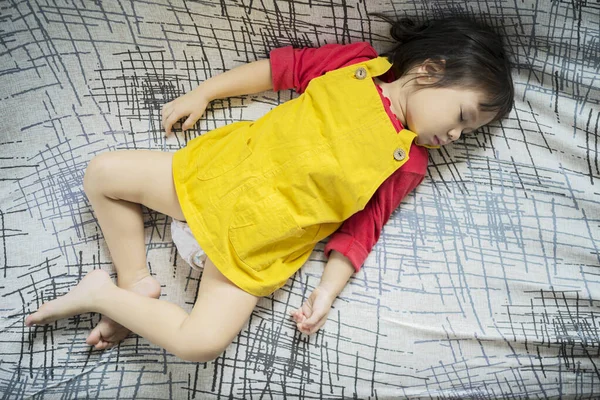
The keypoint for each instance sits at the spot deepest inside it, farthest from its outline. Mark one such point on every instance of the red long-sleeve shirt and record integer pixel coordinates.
(293, 69)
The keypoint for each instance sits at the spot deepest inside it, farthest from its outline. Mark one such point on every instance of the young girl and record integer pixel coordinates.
(259, 195)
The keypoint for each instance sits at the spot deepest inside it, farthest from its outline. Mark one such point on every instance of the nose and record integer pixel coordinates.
(454, 134)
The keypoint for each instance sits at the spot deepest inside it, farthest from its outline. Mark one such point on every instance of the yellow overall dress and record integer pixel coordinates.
(259, 195)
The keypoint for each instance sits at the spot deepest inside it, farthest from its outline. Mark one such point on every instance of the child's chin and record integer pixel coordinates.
(420, 140)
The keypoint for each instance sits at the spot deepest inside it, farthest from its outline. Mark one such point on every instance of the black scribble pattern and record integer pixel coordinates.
(484, 284)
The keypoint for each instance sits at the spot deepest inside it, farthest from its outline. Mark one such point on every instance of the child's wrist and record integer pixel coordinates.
(329, 290)
(203, 92)
(338, 271)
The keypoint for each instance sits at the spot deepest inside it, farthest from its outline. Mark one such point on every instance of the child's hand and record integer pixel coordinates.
(191, 104)
(313, 313)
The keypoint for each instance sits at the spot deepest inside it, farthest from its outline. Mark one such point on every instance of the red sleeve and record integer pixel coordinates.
(359, 233)
(294, 68)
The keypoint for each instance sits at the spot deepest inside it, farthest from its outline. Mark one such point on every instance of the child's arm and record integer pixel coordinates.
(350, 245)
(313, 314)
(254, 77)
(338, 271)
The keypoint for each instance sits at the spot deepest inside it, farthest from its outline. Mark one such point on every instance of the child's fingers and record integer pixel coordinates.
(307, 325)
(300, 325)
(300, 318)
(166, 113)
(174, 117)
(312, 325)
(318, 314)
(314, 318)
(189, 122)
(307, 309)
(171, 121)
(296, 315)
(166, 110)
(310, 329)
(165, 125)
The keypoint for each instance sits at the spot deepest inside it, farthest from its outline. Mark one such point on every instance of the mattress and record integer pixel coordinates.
(485, 282)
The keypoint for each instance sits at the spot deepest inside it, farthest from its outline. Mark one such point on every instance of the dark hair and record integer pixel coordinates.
(472, 53)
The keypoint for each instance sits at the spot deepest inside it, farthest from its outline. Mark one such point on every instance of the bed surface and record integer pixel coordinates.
(484, 284)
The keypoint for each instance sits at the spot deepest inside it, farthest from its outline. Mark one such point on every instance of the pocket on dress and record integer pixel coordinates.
(263, 231)
(221, 154)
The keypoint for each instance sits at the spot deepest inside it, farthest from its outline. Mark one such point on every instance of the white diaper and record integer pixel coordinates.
(187, 246)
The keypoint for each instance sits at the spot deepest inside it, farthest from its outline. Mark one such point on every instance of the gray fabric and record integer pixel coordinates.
(484, 283)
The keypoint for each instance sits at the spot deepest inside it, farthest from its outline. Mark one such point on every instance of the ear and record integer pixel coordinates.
(430, 70)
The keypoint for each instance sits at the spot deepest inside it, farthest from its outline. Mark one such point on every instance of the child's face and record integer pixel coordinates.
(434, 114)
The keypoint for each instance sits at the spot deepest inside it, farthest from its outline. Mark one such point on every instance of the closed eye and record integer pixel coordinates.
(461, 120)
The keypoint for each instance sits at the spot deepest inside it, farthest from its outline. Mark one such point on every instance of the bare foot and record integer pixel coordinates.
(108, 332)
(79, 300)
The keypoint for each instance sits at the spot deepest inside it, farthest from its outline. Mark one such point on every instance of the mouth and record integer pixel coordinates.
(437, 141)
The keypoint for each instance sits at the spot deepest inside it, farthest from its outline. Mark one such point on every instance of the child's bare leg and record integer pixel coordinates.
(116, 183)
(220, 312)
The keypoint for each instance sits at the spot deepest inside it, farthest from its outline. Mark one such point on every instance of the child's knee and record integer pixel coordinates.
(96, 173)
(200, 340)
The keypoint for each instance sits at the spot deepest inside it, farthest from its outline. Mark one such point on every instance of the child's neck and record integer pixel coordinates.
(393, 91)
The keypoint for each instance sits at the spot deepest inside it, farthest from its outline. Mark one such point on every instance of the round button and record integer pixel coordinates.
(360, 73)
(399, 154)
(199, 258)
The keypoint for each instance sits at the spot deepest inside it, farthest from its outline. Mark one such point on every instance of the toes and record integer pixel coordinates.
(116, 336)
(110, 345)
(94, 337)
(105, 345)
(101, 345)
